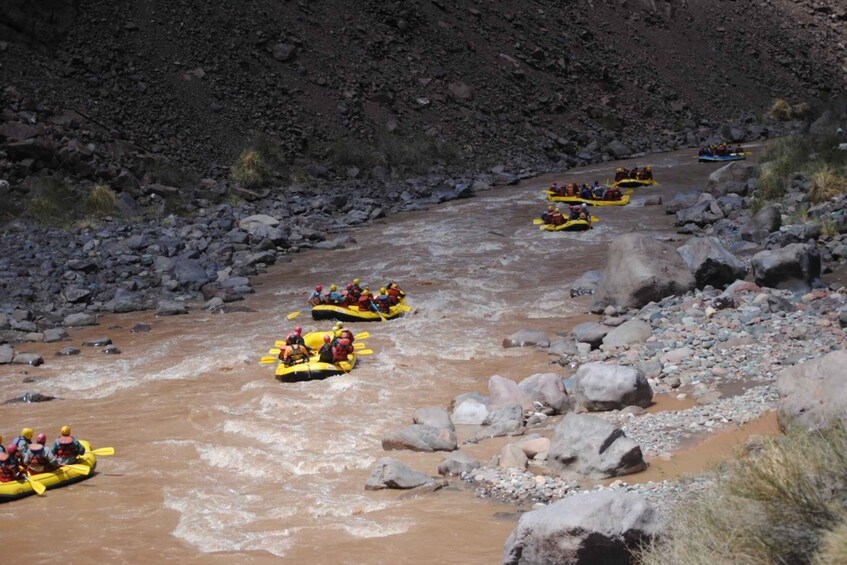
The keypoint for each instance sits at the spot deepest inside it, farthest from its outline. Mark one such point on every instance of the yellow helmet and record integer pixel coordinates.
(339, 325)
(648, 168)
(365, 292)
(65, 431)
(27, 433)
(333, 287)
(356, 281)
(382, 290)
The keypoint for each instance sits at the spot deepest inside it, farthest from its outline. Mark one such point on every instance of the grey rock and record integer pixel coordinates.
(457, 462)
(420, 438)
(433, 416)
(545, 390)
(33, 359)
(633, 331)
(585, 446)
(388, 473)
(599, 386)
(813, 394)
(710, 262)
(527, 338)
(80, 319)
(594, 528)
(590, 332)
(795, 267)
(171, 308)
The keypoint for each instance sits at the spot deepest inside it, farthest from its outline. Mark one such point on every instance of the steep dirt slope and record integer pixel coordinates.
(197, 80)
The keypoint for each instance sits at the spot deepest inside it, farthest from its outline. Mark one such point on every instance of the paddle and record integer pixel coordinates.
(268, 360)
(293, 315)
(404, 308)
(363, 335)
(365, 352)
(36, 486)
(358, 345)
(103, 451)
(537, 221)
(84, 469)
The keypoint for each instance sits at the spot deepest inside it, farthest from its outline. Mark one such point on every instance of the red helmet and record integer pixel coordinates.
(327, 338)
(344, 341)
(298, 330)
(318, 288)
(12, 448)
(350, 286)
(41, 438)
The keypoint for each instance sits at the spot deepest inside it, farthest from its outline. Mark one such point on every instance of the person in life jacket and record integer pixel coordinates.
(294, 354)
(66, 447)
(547, 214)
(383, 302)
(574, 212)
(584, 214)
(39, 458)
(295, 336)
(22, 441)
(739, 150)
(647, 173)
(366, 303)
(315, 297)
(585, 192)
(334, 297)
(554, 188)
(570, 190)
(341, 350)
(356, 288)
(395, 293)
(10, 466)
(597, 191)
(325, 352)
(721, 150)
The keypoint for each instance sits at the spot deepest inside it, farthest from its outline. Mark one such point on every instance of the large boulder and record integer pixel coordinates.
(458, 462)
(433, 416)
(704, 212)
(639, 270)
(631, 331)
(502, 420)
(390, 473)
(591, 333)
(470, 411)
(794, 267)
(420, 438)
(731, 179)
(588, 447)
(763, 223)
(545, 390)
(813, 393)
(504, 391)
(598, 387)
(598, 527)
(710, 262)
(79, 319)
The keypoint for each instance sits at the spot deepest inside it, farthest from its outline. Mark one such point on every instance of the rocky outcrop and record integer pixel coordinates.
(796, 267)
(420, 438)
(710, 262)
(599, 386)
(588, 447)
(639, 270)
(388, 473)
(813, 395)
(593, 528)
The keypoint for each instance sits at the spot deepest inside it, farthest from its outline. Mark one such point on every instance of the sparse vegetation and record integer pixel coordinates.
(414, 155)
(101, 201)
(783, 503)
(251, 170)
(783, 111)
(52, 202)
(816, 156)
(827, 182)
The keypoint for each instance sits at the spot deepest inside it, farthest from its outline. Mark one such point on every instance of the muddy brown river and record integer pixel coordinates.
(217, 462)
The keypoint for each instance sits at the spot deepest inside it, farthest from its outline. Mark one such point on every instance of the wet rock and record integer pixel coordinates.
(586, 284)
(112, 350)
(590, 332)
(28, 359)
(527, 338)
(67, 351)
(545, 390)
(97, 342)
(533, 445)
(420, 438)
(171, 308)
(502, 420)
(704, 212)
(30, 397)
(140, 328)
(7, 353)
(456, 463)
(585, 446)
(598, 527)
(124, 301)
(52, 335)
(78, 320)
(388, 473)
(511, 456)
(503, 391)
(434, 417)
(469, 412)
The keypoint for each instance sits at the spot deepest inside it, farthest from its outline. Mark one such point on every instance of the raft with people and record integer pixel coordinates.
(354, 313)
(570, 225)
(313, 369)
(576, 200)
(63, 476)
(721, 153)
(357, 304)
(578, 218)
(316, 355)
(634, 177)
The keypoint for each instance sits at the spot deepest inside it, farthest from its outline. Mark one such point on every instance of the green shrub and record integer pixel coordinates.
(827, 183)
(101, 201)
(775, 505)
(52, 202)
(251, 170)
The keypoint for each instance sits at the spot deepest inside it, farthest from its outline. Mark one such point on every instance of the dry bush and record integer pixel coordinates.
(101, 201)
(774, 506)
(250, 171)
(780, 110)
(827, 183)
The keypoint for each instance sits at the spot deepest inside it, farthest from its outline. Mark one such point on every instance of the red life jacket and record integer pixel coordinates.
(8, 468)
(38, 462)
(66, 449)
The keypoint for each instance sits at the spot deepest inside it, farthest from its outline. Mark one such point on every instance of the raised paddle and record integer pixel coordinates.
(103, 451)
(293, 315)
(84, 469)
(36, 486)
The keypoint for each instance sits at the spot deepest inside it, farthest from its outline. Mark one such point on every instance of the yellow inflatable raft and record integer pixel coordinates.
(60, 477)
